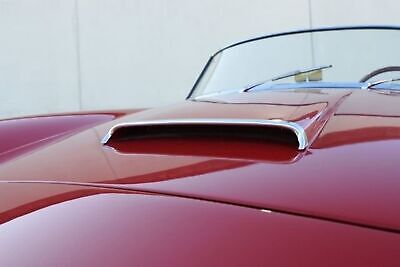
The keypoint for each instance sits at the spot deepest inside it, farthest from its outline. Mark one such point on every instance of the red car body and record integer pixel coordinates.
(68, 200)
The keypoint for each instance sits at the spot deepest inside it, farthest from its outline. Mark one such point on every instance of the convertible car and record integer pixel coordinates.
(286, 152)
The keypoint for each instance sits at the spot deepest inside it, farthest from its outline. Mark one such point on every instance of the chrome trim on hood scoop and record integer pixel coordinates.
(294, 127)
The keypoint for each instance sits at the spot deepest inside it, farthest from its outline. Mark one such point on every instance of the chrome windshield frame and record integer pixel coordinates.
(321, 29)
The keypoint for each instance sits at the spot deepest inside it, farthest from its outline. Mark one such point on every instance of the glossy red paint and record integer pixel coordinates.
(343, 189)
(81, 226)
(46, 129)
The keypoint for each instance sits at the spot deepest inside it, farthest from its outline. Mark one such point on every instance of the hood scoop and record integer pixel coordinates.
(275, 130)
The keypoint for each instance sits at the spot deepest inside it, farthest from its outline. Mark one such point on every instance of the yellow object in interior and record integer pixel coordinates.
(312, 76)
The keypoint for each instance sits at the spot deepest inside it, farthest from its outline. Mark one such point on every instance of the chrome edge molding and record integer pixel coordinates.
(294, 127)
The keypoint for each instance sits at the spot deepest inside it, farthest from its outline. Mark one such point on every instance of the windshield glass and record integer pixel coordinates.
(341, 58)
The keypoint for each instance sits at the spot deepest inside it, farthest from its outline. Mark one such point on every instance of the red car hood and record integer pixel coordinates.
(86, 226)
(349, 173)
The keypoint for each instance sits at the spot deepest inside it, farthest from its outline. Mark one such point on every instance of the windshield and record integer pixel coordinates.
(326, 58)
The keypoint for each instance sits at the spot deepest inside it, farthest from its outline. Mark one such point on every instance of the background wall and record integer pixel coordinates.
(69, 55)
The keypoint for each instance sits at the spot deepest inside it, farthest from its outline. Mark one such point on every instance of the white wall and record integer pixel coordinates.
(67, 55)
(38, 67)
